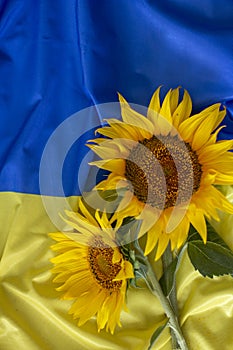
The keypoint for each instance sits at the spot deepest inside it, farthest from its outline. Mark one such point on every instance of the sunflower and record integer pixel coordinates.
(169, 162)
(91, 268)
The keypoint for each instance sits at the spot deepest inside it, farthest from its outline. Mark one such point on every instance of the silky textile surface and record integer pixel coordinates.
(32, 316)
(57, 58)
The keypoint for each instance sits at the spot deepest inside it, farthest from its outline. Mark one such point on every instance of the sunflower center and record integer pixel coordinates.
(100, 260)
(163, 172)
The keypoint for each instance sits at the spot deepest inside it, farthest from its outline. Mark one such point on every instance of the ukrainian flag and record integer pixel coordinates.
(56, 59)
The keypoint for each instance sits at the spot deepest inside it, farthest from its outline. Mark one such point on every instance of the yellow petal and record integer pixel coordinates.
(119, 306)
(206, 201)
(223, 179)
(126, 272)
(203, 132)
(154, 233)
(98, 141)
(129, 131)
(221, 202)
(70, 266)
(213, 137)
(87, 312)
(129, 206)
(105, 220)
(117, 256)
(64, 246)
(113, 181)
(162, 245)
(86, 213)
(128, 269)
(113, 318)
(179, 235)
(154, 105)
(109, 132)
(114, 165)
(197, 219)
(183, 110)
(82, 285)
(80, 223)
(174, 98)
(73, 280)
(118, 129)
(117, 148)
(164, 126)
(136, 119)
(165, 110)
(57, 236)
(149, 217)
(105, 311)
(212, 152)
(67, 256)
(152, 239)
(188, 127)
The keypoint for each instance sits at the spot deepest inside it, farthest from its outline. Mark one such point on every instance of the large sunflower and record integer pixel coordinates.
(170, 162)
(92, 269)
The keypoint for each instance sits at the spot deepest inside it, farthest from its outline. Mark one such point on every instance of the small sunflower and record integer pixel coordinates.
(169, 161)
(92, 269)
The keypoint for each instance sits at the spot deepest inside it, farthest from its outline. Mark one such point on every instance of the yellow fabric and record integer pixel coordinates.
(33, 317)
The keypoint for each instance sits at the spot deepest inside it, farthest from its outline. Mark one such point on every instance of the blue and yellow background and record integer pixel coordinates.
(57, 58)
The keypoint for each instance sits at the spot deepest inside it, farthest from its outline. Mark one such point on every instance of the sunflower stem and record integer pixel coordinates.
(167, 259)
(173, 320)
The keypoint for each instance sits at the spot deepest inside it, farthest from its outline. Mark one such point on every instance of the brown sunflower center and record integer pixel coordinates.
(100, 260)
(163, 172)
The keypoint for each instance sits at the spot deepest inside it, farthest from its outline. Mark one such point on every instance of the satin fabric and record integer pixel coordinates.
(58, 57)
(33, 317)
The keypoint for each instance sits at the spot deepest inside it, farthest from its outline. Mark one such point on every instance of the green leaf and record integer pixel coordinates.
(213, 258)
(212, 236)
(156, 334)
(167, 279)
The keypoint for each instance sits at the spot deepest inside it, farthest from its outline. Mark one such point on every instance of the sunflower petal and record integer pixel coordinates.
(154, 233)
(87, 312)
(113, 149)
(86, 213)
(205, 129)
(189, 126)
(126, 272)
(214, 151)
(130, 131)
(149, 217)
(165, 110)
(162, 245)
(112, 182)
(104, 312)
(183, 110)
(152, 239)
(154, 105)
(174, 99)
(197, 219)
(114, 165)
(134, 118)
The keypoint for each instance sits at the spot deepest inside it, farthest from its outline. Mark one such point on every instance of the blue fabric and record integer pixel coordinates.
(58, 57)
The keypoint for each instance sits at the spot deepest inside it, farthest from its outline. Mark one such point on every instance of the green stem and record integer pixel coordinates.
(167, 259)
(173, 321)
